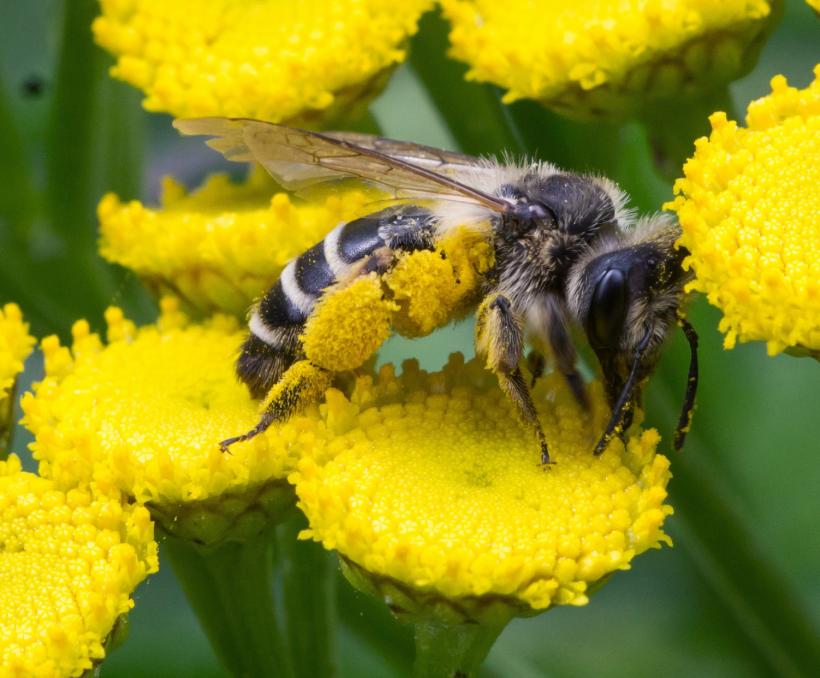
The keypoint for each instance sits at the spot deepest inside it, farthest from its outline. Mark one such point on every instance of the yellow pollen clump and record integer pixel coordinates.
(597, 59)
(146, 412)
(431, 484)
(348, 325)
(748, 209)
(433, 288)
(223, 245)
(278, 61)
(69, 562)
(15, 345)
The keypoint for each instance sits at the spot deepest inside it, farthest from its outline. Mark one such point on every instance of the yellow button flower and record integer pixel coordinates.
(223, 245)
(146, 413)
(281, 61)
(433, 496)
(15, 345)
(69, 562)
(606, 59)
(748, 208)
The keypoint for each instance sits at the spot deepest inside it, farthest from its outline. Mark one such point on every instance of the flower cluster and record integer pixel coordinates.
(594, 59)
(267, 60)
(747, 207)
(145, 413)
(69, 561)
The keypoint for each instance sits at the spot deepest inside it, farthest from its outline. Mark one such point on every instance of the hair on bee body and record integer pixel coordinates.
(567, 253)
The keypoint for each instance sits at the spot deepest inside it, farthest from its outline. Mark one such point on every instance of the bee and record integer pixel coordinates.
(568, 253)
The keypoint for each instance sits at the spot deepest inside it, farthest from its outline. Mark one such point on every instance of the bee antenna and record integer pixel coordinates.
(625, 397)
(688, 408)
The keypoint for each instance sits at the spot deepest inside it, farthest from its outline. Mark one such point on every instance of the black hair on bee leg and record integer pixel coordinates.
(625, 399)
(302, 384)
(515, 386)
(536, 363)
(688, 408)
(564, 350)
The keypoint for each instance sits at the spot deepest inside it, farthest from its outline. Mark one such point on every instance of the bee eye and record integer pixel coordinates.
(607, 310)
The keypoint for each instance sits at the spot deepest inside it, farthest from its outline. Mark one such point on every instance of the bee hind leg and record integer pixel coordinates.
(301, 384)
(500, 338)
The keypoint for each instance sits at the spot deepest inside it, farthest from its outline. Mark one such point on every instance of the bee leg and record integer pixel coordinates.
(302, 384)
(564, 350)
(500, 337)
(537, 363)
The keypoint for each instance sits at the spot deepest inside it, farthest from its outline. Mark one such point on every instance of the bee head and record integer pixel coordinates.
(626, 296)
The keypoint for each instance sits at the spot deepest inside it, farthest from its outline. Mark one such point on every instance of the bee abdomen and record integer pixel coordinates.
(279, 318)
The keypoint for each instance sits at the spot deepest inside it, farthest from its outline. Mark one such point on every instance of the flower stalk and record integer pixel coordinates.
(673, 126)
(309, 589)
(453, 650)
(230, 588)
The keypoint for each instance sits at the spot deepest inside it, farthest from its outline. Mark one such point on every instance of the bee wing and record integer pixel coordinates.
(428, 157)
(298, 158)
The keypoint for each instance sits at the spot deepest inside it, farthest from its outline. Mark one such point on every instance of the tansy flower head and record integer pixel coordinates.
(748, 208)
(280, 61)
(432, 494)
(221, 246)
(15, 345)
(69, 562)
(146, 411)
(606, 59)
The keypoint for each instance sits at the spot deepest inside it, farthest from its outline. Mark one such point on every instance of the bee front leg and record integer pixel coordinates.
(302, 384)
(500, 339)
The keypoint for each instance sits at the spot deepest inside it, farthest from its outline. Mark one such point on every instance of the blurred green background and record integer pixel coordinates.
(738, 595)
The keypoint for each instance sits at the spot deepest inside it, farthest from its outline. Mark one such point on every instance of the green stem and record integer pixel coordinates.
(309, 583)
(732, 559)
(673, 127)
(230, 589)
(72, 128)
(474, 113)
(17, 197)
(736, 565)
(579, 146)
(453, 651)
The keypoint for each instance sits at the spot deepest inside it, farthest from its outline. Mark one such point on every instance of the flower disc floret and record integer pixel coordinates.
(606, 59)
(433, 490)
(69, 563)
(146, 412)
(278, 61)
(223, 245)
(748, 209)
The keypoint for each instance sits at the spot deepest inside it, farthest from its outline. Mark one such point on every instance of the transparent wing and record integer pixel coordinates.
(298, 159)
(428, 157)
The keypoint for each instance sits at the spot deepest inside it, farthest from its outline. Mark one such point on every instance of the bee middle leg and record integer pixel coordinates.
(500, 338)
(564, 350)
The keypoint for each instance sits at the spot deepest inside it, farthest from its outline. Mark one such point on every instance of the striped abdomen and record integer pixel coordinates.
(279, 318)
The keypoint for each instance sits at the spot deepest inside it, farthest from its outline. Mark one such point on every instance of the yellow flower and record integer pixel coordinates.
(146, 413)
(15, 345)
(748, 208)
(280, 61)
(606, 59)
(69, 562)
(223, 245)
(433, 495)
